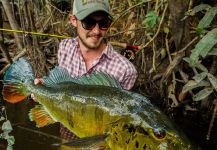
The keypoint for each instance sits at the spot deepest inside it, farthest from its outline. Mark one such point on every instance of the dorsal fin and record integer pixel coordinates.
(60, 75)
(99, 78)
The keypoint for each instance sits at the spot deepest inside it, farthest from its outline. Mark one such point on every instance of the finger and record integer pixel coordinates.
(33, 98)
(38, 81)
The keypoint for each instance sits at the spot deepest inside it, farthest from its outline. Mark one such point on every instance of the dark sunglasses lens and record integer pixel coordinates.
(104, 23)
(88, 23)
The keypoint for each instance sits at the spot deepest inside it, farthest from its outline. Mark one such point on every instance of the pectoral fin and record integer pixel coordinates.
(40, 116)
(92, 142)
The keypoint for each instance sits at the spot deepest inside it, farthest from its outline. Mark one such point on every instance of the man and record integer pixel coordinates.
(90, 52)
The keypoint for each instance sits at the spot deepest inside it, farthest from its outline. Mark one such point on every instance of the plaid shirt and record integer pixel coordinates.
(111, 62)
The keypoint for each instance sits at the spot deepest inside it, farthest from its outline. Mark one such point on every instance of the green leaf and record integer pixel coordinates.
(163, 53)
(150, 20)
(166, 30)
(6, 126)
(199, 77)
(191, 84)
(197, 65)
(202, 94)
(199, 8)
(203, 46)
(10, 140)
(2, 118)
(201, 67)
(206, 20)
(213, 52)
(195, 10)
(213, 80)
(9, 147)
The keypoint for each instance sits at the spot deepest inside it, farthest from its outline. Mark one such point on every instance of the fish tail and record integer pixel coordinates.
(16, 79)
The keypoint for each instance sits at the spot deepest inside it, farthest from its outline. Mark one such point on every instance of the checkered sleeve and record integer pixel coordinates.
(61, 51)
(129, 78)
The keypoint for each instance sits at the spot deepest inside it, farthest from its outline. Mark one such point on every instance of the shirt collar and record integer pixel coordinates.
(107, 51)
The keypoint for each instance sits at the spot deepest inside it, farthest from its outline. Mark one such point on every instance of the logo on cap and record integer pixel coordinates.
(84, 2)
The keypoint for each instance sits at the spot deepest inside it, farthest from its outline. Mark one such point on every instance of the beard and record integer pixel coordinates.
(91, 45)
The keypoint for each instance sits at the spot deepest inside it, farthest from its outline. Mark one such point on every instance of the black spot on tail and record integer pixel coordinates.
(144, 147)
(137, 144)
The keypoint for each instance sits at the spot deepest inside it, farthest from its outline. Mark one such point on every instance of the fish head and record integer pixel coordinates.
(129, 136)
(163, 139)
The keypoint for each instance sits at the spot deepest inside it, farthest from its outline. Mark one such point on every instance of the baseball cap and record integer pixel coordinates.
(83, 8)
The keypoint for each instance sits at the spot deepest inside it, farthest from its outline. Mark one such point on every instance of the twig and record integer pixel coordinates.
(64, 13)
(212, 121)
(15, 58)
(125, 12)
(184, 48)
(14, 25)
(41, 133)
(5, 52)
(154, 56)
(176, 60)
(108, 36)
(123, 45)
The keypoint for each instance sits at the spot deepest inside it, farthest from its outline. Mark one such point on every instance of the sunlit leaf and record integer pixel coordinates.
(202, 94)
(9, 147)
(191, 84)
(2, 118)
(163, 53)
(166, 30)
(10, 140)
(204, 46)
(213, 80)
(6, 126)
(206, 20)
(199, 77)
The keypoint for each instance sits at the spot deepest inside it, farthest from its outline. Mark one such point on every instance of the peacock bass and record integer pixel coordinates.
(95, 108)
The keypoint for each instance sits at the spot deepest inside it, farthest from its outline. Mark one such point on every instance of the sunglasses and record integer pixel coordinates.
(89, 23)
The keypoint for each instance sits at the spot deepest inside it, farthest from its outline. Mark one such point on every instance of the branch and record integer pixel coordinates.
(14, 59)
(14, 25)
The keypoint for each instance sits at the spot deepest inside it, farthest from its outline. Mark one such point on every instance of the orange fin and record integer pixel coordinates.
(40, 116)
(12, 94)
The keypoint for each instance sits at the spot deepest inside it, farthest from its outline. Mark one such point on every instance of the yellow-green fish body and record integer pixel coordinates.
(94, 105)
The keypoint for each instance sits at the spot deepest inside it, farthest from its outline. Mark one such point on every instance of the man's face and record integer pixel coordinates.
(92, 36)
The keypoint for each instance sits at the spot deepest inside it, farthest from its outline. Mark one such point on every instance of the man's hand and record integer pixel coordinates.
(36, 82)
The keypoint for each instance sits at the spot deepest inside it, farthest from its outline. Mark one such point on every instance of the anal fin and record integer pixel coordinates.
(40, 116)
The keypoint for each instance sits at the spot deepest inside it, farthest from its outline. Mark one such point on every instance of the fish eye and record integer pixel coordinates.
(159, 133)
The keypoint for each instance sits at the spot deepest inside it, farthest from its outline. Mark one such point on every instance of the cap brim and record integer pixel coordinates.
(87, 12)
